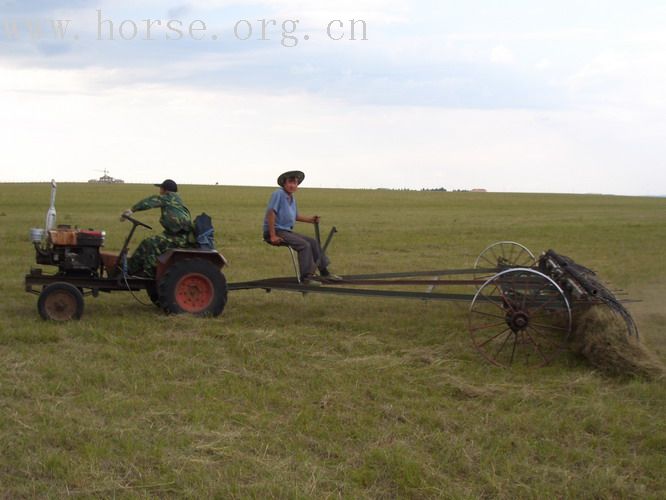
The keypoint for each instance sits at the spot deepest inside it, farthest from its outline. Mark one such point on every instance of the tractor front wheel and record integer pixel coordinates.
(60, 302)
(194, 286)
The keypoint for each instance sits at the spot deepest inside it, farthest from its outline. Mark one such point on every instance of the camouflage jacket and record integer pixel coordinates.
(175, 217)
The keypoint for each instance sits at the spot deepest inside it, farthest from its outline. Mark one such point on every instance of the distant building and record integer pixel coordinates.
(106, 179)
(479, 190)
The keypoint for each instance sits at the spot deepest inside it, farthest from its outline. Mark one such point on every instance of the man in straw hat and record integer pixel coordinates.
(281, 215)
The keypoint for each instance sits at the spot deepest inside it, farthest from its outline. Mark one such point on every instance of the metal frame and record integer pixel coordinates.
(292, 252)
(36, 278)
(343, 287)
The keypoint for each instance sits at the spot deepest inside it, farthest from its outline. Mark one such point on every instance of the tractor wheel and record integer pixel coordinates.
(153, 294)
(194, 286)
(60, 302)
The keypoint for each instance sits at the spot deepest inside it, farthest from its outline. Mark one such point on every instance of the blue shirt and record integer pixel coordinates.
(285, 210)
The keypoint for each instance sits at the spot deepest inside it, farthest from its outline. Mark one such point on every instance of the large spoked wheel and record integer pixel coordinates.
(194, 286)
(60, 302)
(520, 317)
(502, 255)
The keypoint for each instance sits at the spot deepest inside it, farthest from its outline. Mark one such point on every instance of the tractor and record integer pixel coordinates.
(187, 280)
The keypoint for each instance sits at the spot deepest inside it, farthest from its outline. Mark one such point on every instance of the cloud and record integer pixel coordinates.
(625, 79)
(373, 72)
(501, 55)
(53, 48)
(37, 7)
(393, 67)
(141, 132)
(179, 12)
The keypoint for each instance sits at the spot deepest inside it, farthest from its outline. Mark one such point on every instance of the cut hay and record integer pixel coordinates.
(601, 336)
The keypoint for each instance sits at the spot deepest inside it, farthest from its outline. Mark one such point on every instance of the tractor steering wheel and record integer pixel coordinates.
(136, 222)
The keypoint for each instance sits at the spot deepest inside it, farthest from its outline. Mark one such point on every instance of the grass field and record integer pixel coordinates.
(286, 395)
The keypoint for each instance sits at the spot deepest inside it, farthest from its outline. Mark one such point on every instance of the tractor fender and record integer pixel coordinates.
(170, 257)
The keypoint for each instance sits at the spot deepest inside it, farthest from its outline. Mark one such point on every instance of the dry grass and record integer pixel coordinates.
(601, 336)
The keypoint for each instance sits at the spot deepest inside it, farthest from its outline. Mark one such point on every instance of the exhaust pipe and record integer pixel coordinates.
(37, 234)
(51, 213)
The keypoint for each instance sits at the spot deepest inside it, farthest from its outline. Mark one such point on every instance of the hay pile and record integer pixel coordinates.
(601, 336)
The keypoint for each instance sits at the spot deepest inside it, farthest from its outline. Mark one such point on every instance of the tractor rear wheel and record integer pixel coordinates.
(194, 286)
(153, 294)
(60, 302)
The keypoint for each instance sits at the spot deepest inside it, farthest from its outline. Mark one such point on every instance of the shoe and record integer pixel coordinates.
(331, 277)
(310, 282)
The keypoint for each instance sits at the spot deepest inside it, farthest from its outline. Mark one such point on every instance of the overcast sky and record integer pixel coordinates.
(526, 96)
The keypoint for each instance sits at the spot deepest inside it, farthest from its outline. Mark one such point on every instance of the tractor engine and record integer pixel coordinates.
(74, 251)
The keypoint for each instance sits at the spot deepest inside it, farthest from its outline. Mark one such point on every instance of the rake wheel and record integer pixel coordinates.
(520, 317)
(502, 255)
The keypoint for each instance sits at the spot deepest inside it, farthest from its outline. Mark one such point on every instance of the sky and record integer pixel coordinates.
(511, 96)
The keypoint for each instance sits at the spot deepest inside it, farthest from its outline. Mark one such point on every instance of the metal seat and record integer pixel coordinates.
(294, 258)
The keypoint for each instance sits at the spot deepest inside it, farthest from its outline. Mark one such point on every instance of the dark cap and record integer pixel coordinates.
(168, 185)
(288, 175)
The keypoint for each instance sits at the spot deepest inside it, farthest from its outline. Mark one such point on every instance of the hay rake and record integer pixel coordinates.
(522, 309)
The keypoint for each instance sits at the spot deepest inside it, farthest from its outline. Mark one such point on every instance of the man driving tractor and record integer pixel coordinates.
(177, 224)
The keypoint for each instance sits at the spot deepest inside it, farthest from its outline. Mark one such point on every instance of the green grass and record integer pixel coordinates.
(292, 396)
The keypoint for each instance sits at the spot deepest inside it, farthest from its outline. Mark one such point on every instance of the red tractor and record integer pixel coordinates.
(187, 280)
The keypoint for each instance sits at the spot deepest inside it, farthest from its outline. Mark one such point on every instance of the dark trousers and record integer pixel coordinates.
(308, 250)
(145, 256)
